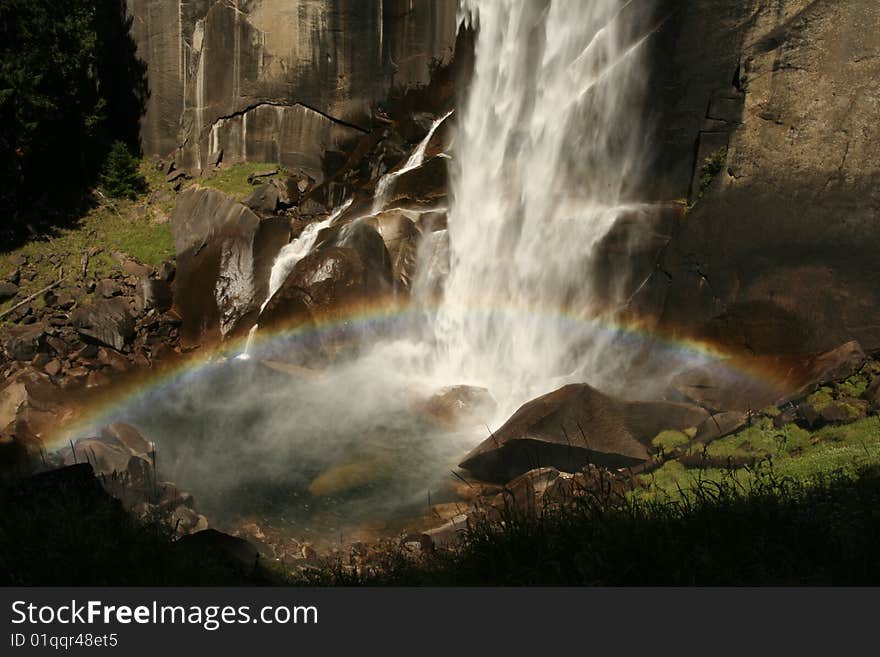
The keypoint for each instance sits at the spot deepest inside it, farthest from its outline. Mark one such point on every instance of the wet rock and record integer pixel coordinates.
(107, 321)
(416, 126)
(328, 283)
(574, 426)
(105, 459)
(461, 406)
(423, 185)
(401, 237)
(185, 520)
(7, 291)
(127, 436)
(365, 240)
(524, 494)
(14, 278)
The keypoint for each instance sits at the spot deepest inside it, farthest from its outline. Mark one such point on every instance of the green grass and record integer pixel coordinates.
(139, 228)
(792, 451)
(234, 179)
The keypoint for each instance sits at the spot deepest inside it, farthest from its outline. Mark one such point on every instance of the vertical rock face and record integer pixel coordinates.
(779, 250)
(279, 79)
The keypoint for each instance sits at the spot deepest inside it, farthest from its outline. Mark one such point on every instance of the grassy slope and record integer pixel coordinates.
(139, 228)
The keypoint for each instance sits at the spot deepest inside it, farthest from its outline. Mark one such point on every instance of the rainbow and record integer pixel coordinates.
(376, 317)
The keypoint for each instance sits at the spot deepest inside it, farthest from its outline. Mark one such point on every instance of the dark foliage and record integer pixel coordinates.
(70, 85)
(61, 528)
(779, 532)
(121, 177)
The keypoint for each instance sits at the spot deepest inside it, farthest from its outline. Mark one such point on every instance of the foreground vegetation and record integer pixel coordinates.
(774, 531)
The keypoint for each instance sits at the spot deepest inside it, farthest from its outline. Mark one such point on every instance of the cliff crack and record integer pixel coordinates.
(280, 103)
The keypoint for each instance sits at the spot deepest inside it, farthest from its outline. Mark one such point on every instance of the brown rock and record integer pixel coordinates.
(127, 436)
(574, 426)
(53, 367)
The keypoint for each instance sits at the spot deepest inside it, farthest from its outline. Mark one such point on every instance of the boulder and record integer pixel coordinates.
(224, 257)
(365, 240)
(128, 437)
(106, 321)
(7, 291)
(106, 459)
(264, 199)
(460, 406)
(401, 237)
(574, 426)
(23, 343)
(328, 283)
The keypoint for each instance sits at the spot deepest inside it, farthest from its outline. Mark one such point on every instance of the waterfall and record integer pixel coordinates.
(417, 159)
(549, 151)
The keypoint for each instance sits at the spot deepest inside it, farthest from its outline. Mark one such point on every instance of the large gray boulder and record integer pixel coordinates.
(574, 426)
(224, 257)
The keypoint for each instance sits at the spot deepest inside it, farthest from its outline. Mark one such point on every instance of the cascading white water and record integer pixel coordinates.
(549, 144)
(417, 159)
(286, 260)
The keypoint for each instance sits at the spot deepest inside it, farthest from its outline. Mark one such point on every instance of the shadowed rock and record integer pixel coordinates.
(752, 384)
(574, 426)
(105, 321)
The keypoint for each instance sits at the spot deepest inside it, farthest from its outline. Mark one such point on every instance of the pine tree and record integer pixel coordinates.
(121, 177)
